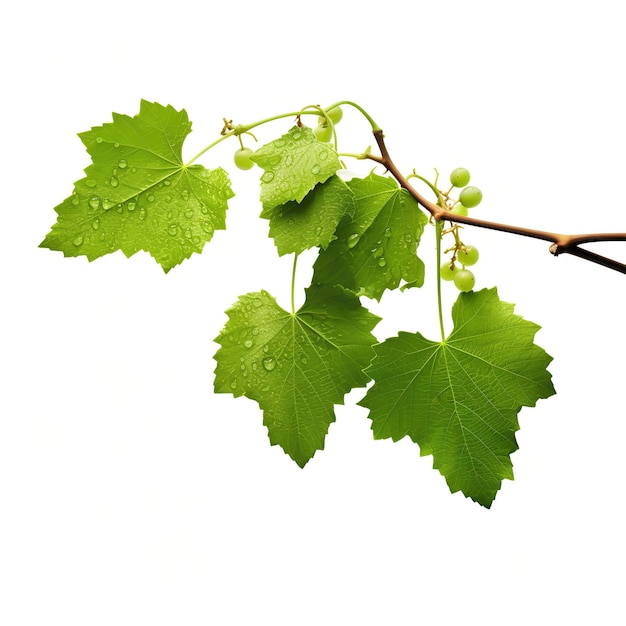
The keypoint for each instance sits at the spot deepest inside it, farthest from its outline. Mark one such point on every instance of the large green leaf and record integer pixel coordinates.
(459, 399)
(297, 367)
(298, 226)
(376, 247)
(293, 164)
(138, 194)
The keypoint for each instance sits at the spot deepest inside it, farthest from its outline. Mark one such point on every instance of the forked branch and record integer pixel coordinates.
(561, 244)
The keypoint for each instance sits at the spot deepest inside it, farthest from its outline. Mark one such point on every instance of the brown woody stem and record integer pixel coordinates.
(561, 244)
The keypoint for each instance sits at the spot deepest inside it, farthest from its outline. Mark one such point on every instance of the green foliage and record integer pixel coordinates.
(375, 247)
(293, 165)
(297, 367)
(138, 195)
(458, 399)
(298, 226)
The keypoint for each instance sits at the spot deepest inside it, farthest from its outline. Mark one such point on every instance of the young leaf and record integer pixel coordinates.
(293, 165)
(459, 399)
(138, 194)
(376, 247)
(297, 367)
(296, 227)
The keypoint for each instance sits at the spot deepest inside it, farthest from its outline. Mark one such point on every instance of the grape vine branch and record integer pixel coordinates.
(561, 244)
(457, 398)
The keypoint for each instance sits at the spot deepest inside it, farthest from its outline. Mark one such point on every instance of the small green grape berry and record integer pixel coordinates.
(243, 160)
(459, 209)
(464, 280)
(448, 270)
(335, 114)
(468, 256)
(471, 197)
(323, 132)
(459, 177)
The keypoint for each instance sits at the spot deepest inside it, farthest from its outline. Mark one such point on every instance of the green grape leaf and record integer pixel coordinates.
(297, 367)
(298, 226)
(293, 164)
(459, 399)
(376, 247)
(138, 194)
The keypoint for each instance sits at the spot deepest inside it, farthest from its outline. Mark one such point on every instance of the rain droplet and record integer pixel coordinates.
(99, 139)
(172, 230)
(269, 363)
(382, 261)
(150, 197)
(95, 224)
(94, 202)
(408, 238)
(189, 213)
(75, 200)
(323, 155)
(107, 204)
(114, 182)
(248, 343)
(122, 164)
(268, 177)
(185, 194)
(316, 169)
(78, 241)
(233, 385)
(90, 182)
(132, 206)
(378, 252)
(352, 240)
(142, 213)
(387, 232)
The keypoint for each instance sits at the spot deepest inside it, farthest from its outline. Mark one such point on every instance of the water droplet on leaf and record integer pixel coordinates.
(269, 363)
(122, 164)
(114, 182)
(78, 241)
(352, 240)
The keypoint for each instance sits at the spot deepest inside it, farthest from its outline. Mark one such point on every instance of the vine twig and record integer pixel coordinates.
(561, 244)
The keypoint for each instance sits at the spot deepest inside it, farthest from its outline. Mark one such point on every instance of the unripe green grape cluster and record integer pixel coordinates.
(464, 256)
(469, 197)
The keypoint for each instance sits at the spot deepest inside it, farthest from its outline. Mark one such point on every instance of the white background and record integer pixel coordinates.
(131, 494)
